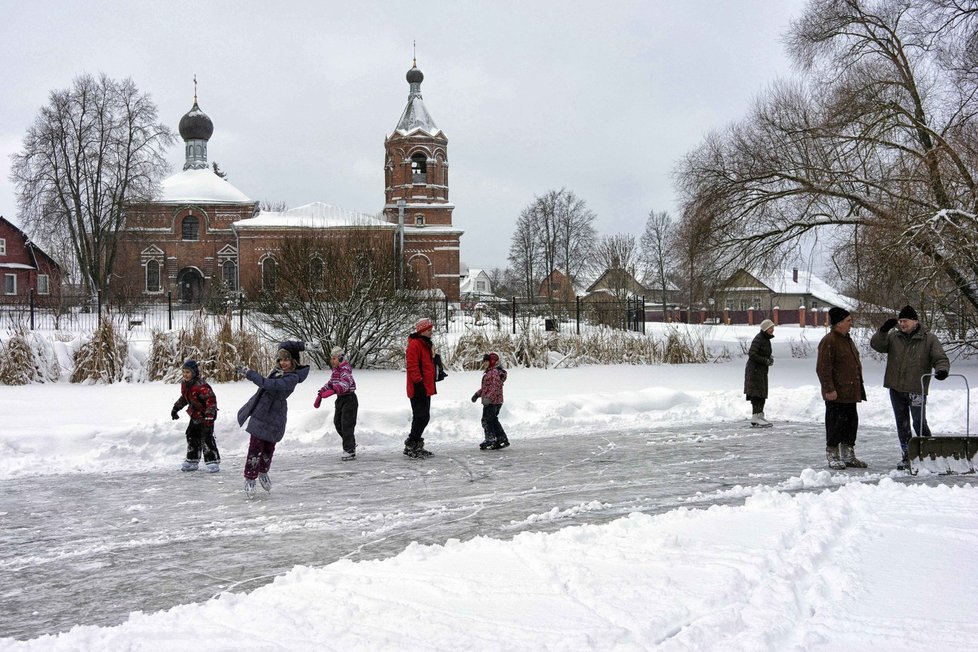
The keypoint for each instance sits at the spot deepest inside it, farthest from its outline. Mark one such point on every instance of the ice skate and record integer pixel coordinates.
(348, 457)
(266, 482)
(249, 488)
(213, 467)
(188, 466)
(757, 420)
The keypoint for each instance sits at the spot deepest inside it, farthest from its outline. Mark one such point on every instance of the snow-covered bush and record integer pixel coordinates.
(101, 359)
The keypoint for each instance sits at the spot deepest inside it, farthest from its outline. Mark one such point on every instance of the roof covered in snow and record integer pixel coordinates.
(316, 215)
(416, 118)
(781, 281)
(200, 187)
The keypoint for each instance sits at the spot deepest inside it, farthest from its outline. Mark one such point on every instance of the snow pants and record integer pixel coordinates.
(841, 423)
(907, 406)
(259, 457)
(345, 420)
(490, 424)
(200, 439)
(420, 416)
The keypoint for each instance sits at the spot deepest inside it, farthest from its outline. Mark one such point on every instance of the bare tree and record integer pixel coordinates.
(656, 255)
(95, 148)
(617, 256)
(341, 287)
(524, 253)
(879, 139)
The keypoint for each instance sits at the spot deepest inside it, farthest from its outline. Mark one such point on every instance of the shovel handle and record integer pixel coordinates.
(967, 405)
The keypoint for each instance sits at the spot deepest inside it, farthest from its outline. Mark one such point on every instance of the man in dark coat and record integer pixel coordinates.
(840, 374)
(759, 359)
(420, 385)
(267, 412)
(911, 351)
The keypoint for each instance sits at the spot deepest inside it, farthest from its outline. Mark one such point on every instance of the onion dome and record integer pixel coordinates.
(195, 125)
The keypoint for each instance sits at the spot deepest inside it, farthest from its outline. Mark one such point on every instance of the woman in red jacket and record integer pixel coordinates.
(420, 385)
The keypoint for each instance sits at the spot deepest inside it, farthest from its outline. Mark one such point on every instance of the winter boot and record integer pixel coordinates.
(489, 442)
(213, 467)
(349, 457)
(249, 488)
(502, 442)
(757, 420)
(904, 464)
(849, 458)
(415, 449)
(265, 481)
(832, 457)
(188, 465)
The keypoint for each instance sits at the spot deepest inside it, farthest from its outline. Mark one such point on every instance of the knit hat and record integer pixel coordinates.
(337, 352)
(766, 324)
(423, 324)
(492, 358)
(289, 350)
(907, 312)
(837, 314)
(194, 368)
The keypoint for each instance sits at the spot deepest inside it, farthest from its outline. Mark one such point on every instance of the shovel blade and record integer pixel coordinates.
(942, 455)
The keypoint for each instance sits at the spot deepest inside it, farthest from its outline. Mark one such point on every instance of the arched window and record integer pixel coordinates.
(419, 168)
(153, 276)
(190, 228)
(268, 271)
(419, 220)
(229, 273)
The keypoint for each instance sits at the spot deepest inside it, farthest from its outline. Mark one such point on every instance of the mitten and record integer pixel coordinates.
(318, 401)
(475, 397)
(770, 362)
(940, 374)
(888, 325)
(326, 393)
(174, 414)
(241, 370)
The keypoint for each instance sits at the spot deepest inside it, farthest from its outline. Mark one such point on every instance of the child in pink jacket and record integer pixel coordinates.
(491, 394)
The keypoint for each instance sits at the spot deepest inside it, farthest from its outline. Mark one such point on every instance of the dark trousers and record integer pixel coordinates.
(345, 420)
(259, 457)
(420, 416)
(756, 403)
(841, 423)
(907, 406)
(200, 439)
(490, 424)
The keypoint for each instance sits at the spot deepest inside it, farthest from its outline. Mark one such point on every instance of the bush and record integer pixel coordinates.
(102, 359)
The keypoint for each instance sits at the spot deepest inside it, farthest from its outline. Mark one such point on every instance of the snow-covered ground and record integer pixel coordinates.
(634, 510)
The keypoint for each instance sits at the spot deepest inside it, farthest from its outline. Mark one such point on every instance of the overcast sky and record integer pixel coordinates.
(600, 98)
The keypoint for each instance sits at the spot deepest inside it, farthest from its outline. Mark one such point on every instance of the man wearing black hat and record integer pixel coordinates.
(911, 351)
(840, 374)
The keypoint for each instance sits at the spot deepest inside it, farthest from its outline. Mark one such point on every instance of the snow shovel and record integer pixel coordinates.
(945, 454)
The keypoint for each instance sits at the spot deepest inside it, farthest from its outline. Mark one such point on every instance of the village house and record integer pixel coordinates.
(26, 269)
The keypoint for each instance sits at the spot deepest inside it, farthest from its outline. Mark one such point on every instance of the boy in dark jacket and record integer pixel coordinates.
(198, 395)
(491, 394)
(267, 412)
(342, 384)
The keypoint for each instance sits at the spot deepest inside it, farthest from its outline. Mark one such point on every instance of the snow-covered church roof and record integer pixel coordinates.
(316, 215)
(200, 186)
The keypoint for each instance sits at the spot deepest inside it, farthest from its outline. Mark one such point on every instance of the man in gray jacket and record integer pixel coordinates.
(911, 351)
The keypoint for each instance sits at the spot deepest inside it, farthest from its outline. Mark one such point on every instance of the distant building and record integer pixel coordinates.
(557, 286)
(788, 289)
(202, 236)
(475, 285)
(26, 268)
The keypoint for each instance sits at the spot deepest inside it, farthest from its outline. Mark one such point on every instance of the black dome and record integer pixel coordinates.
(414, 76)
(195, 125)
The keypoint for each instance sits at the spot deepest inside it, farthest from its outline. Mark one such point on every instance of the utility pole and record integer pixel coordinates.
(400, 243)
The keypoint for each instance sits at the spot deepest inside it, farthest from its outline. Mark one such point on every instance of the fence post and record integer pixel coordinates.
(240, 310)
(169, 310)
(446, 313)
(31, 294)
(643, 315)
(514, 315)
(577, 300)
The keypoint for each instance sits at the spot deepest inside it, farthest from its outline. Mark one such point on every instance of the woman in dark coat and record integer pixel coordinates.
(755, 375)
(267, 412)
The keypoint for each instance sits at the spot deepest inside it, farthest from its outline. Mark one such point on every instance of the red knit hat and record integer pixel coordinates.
(422, 325)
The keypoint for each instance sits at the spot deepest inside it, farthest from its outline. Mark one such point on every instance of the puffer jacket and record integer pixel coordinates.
(268, 408)
(420, 364)
(201, 399)
(341, 380)
(491, 391)
(758, 362)
(839, 369)
(908, 357)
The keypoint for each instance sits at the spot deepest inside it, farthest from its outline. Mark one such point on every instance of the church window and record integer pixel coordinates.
(190, 228)
(229, 273)
(153, 276)
(268, 269)
(419, 168)
(419, 220)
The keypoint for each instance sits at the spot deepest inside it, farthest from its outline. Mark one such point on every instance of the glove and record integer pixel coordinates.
(475, 397)
(888, 325)
(770, 362)
(419, 390)
(441, 376)
(174, 414)
(314, 347)
(940, 374)
(318, 401)
(241, 370)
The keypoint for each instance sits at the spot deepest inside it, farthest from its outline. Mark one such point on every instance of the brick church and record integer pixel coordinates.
(202, 235)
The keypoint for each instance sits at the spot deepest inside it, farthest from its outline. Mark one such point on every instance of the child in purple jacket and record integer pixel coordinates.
(341, 384)
(491, 394)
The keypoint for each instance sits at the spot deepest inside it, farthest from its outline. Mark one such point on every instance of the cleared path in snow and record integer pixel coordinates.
(91, 548)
